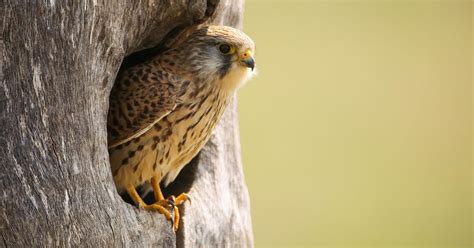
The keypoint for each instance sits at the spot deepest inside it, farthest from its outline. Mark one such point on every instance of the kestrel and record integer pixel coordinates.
(163, 111)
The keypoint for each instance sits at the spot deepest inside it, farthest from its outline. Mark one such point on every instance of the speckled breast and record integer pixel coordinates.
(167, 147)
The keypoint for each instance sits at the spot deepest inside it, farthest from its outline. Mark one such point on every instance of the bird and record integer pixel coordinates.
(163, 111)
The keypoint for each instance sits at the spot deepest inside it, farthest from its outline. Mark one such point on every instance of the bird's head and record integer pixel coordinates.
(220, 52)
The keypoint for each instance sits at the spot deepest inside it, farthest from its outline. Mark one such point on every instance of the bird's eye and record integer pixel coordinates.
(226, 49)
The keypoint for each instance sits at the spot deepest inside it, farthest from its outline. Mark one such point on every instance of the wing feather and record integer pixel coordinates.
(136, 104)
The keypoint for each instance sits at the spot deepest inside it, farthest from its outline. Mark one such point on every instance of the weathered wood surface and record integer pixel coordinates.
(58, 63)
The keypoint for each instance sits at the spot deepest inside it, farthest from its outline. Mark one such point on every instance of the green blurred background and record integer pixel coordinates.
(357, 132)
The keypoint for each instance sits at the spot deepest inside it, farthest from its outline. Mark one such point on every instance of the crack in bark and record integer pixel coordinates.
(4, 241)
(109, 221)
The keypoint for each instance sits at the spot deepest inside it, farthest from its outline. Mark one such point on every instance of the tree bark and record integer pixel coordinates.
(59, 60)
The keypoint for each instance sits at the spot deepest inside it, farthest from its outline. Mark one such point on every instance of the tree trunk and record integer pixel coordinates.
(59, 60)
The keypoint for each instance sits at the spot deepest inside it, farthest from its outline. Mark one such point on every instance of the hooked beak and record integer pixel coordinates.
(247, 59)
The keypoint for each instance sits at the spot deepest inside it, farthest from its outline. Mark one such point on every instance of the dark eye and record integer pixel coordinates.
(226, 49)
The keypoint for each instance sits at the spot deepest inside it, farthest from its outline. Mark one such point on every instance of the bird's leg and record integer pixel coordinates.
(174, 202)
(160, 199)
(155, 184)
(139, 201)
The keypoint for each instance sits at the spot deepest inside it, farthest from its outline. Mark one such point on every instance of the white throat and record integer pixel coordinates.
(236, 77)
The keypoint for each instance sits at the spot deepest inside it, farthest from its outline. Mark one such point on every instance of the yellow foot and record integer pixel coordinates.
(172, 200)
(161, 205)
(175, 202)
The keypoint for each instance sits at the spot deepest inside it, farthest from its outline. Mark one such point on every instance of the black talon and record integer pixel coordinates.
(171, 201)
(188, 199)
